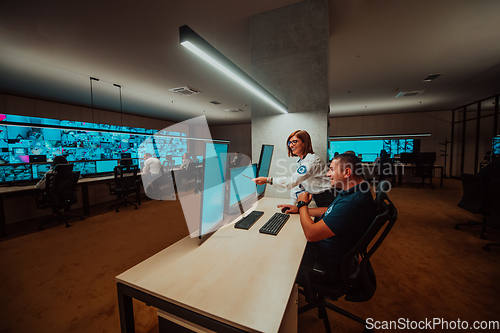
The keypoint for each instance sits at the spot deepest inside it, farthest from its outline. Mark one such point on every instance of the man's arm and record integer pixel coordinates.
(314, 232)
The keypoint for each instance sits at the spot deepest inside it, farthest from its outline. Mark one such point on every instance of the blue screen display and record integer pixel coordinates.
(22, 136)
(85, 168)
(370, 149)
(212, 209)
(105, 166)
(264, 165)
(39, 170)
(496, 145)
(241, 186)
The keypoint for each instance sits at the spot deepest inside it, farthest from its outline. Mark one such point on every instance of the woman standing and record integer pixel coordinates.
(309, 177)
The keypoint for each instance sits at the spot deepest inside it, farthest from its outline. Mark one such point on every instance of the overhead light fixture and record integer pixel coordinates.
(402, 136)
(431, 77)
(199, 46)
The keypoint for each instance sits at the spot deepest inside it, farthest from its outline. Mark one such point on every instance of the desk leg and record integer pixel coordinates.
(400, 175)
(126, 310)
(85, 199)
(442, 176)
(3, 222)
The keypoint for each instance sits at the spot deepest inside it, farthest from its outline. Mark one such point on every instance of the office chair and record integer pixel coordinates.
(473, 200)
(59, 194)
(385, 168)
(358, 282)
(187, 175)
(424, 169)
(124, 185)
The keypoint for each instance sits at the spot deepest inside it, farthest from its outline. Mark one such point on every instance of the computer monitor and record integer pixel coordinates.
(104, 166)
(241, 191)
(266, 155)
(495, 147)
(126, 155)
(427, 157)
(15, 173)
(39, 170)
(177, 160)
(37, 158)
(85, 168)
(213, 192)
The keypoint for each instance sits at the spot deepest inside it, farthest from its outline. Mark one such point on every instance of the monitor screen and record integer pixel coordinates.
(370, 149)
(495, 147)
(14, 173)
(39, 170)
(266, 154)
(105, 165)
(177, 160)
(241, 188)
(85, 168)
(212, 201)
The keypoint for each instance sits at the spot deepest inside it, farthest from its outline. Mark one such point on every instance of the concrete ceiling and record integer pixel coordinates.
(49, 50)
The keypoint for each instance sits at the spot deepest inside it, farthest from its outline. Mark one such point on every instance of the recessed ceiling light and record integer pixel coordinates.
(410, 93)
(185, 91)
(234, 110)
(431, 77)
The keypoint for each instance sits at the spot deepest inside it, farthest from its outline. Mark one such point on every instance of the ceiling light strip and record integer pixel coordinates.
(199, 46)
(380, 136)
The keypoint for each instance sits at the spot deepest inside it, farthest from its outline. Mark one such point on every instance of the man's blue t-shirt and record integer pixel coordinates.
(349, 216)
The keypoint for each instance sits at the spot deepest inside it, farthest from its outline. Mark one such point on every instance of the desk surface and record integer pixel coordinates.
(239, 277)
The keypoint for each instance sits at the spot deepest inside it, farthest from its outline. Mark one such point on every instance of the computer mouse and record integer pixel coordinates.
(284, 209)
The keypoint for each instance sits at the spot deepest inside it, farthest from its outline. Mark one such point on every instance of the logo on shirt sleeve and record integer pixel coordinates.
(302, 169)
(328, 210)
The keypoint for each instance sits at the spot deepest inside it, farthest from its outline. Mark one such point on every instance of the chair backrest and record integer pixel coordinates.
(60, 188)
(472, 197)
(357, 273)
(126, 178)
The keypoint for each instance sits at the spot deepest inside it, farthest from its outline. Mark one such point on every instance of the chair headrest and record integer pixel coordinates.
(383, 186)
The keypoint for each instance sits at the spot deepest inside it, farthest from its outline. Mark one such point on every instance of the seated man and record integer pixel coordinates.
(342, 224)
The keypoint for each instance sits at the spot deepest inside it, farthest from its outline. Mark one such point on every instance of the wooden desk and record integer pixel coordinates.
(400, 168)
(236, 281)
(14, 191)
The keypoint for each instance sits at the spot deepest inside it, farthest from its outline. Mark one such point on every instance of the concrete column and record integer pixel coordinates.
(289, 58)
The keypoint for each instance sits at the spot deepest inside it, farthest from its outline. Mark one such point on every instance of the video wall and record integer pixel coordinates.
(370, 149)
(95, 148)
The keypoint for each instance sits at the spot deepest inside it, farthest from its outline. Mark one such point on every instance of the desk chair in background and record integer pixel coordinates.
(59, 194)
(424, 168)
(358, 277)
(473, 200)
(186, 177)
(125, 184)
(386, 168)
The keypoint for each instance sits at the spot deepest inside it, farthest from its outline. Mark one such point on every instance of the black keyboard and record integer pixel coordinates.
(274, 224)
(248, 221)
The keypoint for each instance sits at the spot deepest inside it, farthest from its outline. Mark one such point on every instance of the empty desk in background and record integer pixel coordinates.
(236, 281)
(401, 167)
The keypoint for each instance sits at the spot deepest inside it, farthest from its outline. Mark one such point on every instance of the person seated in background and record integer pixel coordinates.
(341, 225)
(186, 160)
(236, 159)
(152, 165)
(57, 160)
(149, 174)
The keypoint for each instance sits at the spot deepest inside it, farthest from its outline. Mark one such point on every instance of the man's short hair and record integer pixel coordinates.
(147, 155)
(350, 161)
